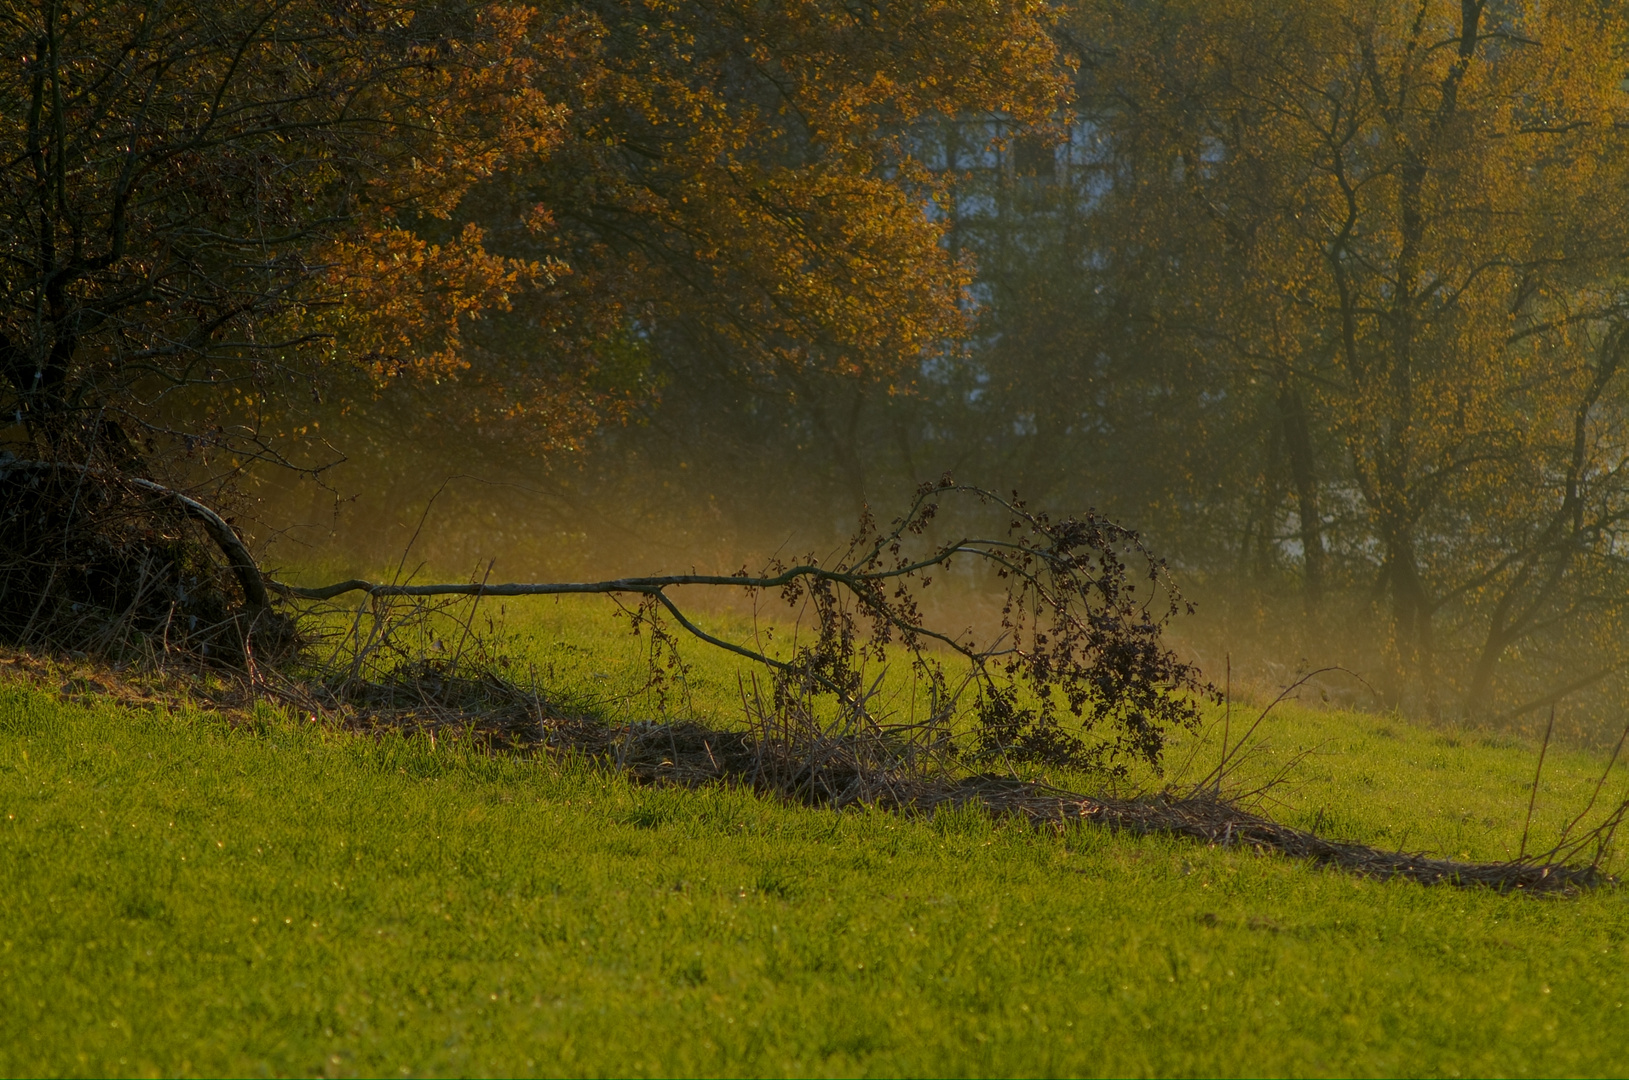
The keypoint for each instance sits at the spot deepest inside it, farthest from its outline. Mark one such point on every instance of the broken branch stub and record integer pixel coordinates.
(93, 559)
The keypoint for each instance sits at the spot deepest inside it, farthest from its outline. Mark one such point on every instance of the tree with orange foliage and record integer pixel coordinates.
(739, 181)
(212, 212)
(198, 200)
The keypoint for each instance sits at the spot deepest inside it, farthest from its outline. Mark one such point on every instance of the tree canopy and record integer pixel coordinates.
(213, 211)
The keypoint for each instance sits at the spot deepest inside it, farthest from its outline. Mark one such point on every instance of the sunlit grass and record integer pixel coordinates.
(1368, 777)
(181, 897)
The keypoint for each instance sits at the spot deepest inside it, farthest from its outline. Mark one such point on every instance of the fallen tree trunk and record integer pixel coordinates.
(835, 775)
(1219, 823)
(826, 768)
(691, 754)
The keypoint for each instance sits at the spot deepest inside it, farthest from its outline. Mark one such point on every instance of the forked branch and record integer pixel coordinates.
(1076, 673)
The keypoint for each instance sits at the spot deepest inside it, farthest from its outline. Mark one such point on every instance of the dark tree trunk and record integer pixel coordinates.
(1303, 474)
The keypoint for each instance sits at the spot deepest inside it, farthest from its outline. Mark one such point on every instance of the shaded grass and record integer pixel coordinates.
(178, 896)
(1372, 778)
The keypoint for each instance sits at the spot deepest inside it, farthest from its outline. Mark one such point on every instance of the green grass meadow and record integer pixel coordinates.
(182, 896)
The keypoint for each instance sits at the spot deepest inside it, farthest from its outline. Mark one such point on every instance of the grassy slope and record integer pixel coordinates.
(179, 897)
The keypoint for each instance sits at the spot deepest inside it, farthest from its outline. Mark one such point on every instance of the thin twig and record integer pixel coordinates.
(1227, 714)
(459, 654)
(1532, 799)
(1594, 795)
